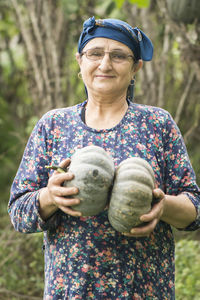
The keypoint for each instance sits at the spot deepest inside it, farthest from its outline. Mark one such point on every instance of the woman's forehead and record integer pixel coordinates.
(106, 43)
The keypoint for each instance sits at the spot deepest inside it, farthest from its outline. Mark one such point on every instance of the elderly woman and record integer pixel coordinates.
(85, 258)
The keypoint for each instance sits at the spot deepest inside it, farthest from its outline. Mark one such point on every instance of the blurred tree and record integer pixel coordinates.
(14, 100)
(171, 80)
(49, 48)
(38, 71)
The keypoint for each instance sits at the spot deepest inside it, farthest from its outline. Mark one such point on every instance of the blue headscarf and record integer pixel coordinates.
(120, 31)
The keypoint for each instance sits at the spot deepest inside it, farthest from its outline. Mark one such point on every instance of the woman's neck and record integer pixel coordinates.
(105, 113)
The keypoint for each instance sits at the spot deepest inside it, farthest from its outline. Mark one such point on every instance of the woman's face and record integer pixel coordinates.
(104, 76)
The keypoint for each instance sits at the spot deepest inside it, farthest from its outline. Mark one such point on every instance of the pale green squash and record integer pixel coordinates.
(131, 194)
(93, 171)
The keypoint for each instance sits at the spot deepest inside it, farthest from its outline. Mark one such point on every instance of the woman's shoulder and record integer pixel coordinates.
(59, 115)
(59, 118)
(151, 112)
(61, 112)
(149, 109)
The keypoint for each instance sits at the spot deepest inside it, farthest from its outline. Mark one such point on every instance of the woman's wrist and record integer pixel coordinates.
(47, 207)
(178, 211)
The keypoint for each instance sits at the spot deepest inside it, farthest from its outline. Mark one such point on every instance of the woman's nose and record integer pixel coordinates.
(106, 63)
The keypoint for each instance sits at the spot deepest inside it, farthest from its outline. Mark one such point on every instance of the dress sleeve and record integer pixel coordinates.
(31, 176)
(179, 174)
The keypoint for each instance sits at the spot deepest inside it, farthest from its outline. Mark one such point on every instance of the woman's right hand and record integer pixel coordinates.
(55, 196)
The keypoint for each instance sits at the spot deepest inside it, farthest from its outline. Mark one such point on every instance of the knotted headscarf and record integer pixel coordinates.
(120, 31)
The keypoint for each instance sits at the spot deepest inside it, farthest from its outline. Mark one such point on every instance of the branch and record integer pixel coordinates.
(190, 132)
(37, 33)
(7, 258)
(197, 69)
(18, 296)
(163, 66)
(10, 54)
(148, 72)
(28, 43)
(184, 95)
(53, 52)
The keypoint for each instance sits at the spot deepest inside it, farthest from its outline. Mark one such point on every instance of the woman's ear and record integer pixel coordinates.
(78, 58)
(138, 65)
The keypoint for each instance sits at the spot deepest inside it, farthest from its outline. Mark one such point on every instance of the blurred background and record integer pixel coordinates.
(38, 72)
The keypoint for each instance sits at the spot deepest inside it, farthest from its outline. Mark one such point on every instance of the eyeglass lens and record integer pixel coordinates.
(98, 54)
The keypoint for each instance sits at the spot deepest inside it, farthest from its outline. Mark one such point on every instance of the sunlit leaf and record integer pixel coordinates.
(119, 3)
(140, 3)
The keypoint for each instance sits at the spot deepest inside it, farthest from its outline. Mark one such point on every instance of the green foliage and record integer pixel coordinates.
(119, 3)
(15, 103)
(139, 3)
(8, 149)
(30, 124)
(21, 264)
(186, 11)
(21, 257)
(7, 24)
(187, 270)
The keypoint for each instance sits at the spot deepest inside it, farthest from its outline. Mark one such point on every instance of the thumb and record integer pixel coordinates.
(61, 168)
(158, 194)
(65, 163)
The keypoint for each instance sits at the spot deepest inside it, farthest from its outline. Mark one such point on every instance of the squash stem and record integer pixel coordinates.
(57, 168)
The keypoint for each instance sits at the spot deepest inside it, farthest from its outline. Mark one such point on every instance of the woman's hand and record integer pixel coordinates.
(152, 218)
(55, 196)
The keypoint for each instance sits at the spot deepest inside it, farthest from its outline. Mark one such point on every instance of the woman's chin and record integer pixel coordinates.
(107, 90)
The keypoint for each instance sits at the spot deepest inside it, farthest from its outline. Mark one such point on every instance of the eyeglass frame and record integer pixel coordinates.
(111, 59)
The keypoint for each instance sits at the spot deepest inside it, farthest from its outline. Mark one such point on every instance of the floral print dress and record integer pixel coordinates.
(85, 258)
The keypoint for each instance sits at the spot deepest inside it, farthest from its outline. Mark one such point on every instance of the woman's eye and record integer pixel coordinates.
(96, 53)
(119, 56)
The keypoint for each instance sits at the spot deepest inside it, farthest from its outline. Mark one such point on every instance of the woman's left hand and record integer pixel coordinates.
(152, 218)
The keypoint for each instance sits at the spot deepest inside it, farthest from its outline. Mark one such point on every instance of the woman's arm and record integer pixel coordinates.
(54, 196)
(179, 205)
(31, 177)
(177, 211)
(35, 198)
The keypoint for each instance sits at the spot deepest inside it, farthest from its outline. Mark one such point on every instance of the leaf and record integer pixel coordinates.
(119, 3)
(105, 8)
(140, 3)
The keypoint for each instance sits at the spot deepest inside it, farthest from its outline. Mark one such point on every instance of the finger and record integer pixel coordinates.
(143, 231)
(60, 191)
(66, 202)
(136, 235)
(62, 167)
(66, 205)
(151, 215)
(65, 163)
(158, 194)
(71, 212)
(59, 178)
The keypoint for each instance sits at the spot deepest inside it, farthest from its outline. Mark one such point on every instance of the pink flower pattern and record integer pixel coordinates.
(85, 258)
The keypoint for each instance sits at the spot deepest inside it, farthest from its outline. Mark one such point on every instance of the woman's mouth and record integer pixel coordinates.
(104, 76)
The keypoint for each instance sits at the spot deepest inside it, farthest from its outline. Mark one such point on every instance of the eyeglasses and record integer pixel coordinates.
(115, 55)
